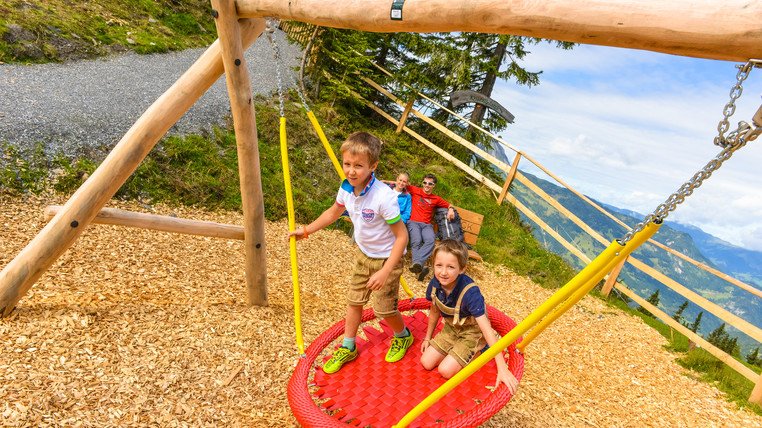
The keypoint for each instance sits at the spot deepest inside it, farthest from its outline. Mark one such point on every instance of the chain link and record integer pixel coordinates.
(734, 141)
(272, 24)
(730, 107)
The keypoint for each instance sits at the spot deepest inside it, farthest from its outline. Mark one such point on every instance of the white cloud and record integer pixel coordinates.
(628, 128)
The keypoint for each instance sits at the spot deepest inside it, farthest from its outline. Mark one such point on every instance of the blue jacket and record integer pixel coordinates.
(406, 205)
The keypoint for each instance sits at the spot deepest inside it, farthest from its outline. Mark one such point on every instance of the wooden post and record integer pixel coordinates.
(509, 178)
(245, 124)
(161, 223)
(58, 235)
(611, 280)
(732, 32)
(756, 393)
(405, 114)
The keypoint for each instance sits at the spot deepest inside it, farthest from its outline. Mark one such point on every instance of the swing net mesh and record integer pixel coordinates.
(371, 392)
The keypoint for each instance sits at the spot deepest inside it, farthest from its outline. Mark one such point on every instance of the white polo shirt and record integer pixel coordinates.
(371, 212)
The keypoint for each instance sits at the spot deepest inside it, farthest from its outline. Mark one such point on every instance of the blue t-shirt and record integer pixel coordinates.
(473, 301)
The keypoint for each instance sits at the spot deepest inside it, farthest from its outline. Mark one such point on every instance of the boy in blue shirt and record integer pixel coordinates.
(381, 239)
(457, 299)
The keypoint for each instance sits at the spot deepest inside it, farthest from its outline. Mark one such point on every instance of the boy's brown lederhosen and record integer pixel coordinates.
(385, 299)
(460, 338)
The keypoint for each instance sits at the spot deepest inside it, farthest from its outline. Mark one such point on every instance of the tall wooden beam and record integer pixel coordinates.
(58, 235)
(245, 124)
(727, 30)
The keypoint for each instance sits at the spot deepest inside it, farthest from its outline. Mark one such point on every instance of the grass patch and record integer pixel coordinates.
(36, 31)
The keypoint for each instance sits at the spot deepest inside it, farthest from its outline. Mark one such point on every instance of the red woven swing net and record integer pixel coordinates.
(372, 392)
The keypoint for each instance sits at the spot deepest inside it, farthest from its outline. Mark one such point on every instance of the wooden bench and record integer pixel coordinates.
(472, 224)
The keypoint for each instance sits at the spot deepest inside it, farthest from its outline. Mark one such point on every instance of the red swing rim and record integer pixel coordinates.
(309, 414)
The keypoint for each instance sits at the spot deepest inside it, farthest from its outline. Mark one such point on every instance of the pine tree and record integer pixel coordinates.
(753, 357)
(652, 299)
(434, 64)
(697, 322)
(678, 315)
(721, 339)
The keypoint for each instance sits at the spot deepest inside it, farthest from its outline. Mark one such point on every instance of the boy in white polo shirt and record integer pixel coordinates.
(381, 239)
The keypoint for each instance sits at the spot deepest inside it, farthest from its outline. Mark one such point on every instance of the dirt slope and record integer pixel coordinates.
(135, 328)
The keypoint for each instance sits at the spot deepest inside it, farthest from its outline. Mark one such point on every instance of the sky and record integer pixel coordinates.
(629, 127)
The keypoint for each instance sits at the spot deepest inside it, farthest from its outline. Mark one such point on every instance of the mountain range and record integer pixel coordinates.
(745, 265)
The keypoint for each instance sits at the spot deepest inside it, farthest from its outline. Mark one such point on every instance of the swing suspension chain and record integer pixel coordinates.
(734, 141)
(730, 107)
(272, 24)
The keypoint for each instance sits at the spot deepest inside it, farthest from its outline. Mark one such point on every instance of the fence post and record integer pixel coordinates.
(509, 178)
(611, 280)
(405, 114)
(756, 393)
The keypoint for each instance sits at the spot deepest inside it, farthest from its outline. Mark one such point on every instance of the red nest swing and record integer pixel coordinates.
(372, 392)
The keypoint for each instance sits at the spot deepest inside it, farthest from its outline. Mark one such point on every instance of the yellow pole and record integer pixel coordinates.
(595, 268)
(571, 301)
(340, 171)
(327, 146)
(405, 287)
(292, 240)
(584, 289)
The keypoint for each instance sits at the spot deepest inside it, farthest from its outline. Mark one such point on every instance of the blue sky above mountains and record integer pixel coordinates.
(630, 127)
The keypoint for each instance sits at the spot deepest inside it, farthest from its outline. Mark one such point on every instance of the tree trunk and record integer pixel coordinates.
(477, 116)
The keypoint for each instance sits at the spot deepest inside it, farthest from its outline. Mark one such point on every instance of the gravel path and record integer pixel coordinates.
(76, 106)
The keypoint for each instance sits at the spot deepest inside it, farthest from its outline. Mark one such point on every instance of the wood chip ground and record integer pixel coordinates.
(140, 328)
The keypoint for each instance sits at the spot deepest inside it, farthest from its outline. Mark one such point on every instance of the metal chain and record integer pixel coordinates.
(734, 141)
(730, 107)
(271, 25)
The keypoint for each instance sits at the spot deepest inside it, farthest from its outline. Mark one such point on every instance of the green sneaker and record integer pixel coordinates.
(340, 357)
(398, 348)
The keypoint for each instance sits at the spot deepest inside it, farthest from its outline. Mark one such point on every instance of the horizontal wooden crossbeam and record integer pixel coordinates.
(162, 223)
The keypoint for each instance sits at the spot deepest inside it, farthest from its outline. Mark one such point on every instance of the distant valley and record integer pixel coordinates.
(745, 265)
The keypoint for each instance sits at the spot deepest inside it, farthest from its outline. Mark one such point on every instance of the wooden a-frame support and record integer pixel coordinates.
(60, 233)
(732, 32)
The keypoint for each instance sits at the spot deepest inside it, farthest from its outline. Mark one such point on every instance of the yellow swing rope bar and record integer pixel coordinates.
(289, 195)
(326, 145)
(288, 187)
(581, 291)
(292, 239)
(617, 252)
(339, 170)
(324, 140)
(592, 273)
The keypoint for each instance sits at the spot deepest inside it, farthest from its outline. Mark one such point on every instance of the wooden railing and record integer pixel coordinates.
(513, 174)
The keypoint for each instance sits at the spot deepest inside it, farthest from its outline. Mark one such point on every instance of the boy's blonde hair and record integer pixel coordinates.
(363, 143)
(456, 248)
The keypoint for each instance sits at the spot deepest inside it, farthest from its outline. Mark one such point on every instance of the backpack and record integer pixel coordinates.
(448, 229)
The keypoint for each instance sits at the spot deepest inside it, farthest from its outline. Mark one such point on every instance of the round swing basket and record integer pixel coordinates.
(371, 392)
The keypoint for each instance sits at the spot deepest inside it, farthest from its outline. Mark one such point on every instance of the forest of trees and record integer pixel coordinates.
(433, 64)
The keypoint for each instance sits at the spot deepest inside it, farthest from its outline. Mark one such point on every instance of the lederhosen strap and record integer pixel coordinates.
(454, 312)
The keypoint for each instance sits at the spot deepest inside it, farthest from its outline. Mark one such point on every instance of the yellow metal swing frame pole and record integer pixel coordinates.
(592, 273)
